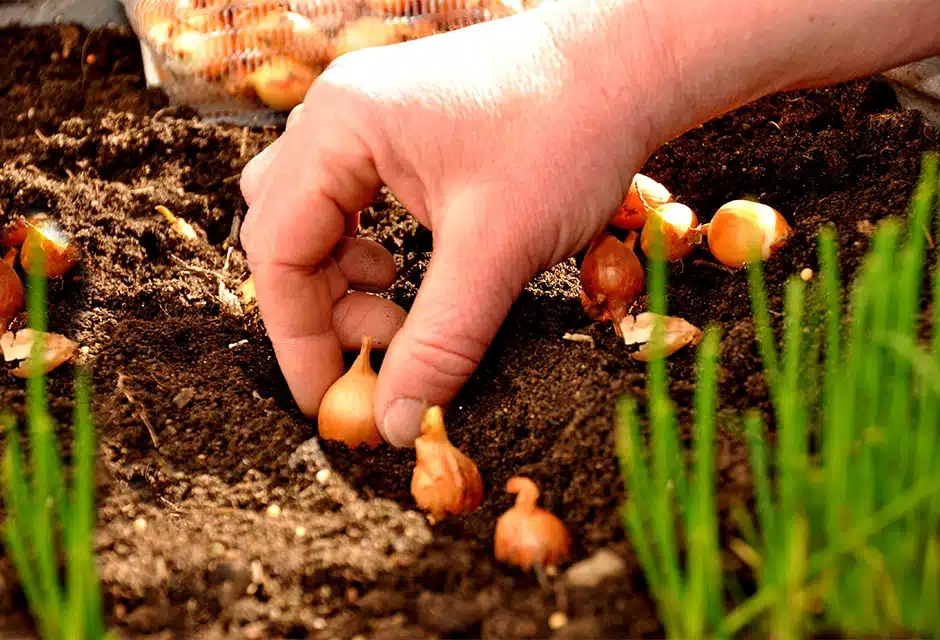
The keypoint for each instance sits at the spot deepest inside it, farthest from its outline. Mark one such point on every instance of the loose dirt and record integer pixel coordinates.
(188, 543)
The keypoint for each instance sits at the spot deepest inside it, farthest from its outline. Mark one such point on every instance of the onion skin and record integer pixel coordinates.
(346, 413)
(527, 535)
(12, 294)
(742, 230)
(678, 224)
(59, 254)
(611, 278)
(444, 481)
(644, 195)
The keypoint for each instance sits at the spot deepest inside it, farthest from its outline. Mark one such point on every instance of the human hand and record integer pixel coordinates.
(497, 137)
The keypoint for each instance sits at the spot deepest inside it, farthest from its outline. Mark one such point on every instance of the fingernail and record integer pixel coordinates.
(402, 422)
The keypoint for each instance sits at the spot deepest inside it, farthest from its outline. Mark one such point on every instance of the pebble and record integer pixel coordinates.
(323, 476)
(140, 524)
(300, 532)
(557, 620)
(806, 274)
(274, 511)
(603, 564)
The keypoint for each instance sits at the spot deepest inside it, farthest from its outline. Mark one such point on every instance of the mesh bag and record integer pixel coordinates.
(251, 61)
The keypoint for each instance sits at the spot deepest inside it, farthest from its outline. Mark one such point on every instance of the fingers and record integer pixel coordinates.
(460, 306)
(361, 314)
(366, 264)
(290, 233)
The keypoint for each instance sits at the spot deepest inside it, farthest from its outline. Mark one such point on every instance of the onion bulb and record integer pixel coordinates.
(365, 33)
(527, 535)
(645, 194)
(50, 240)
(678, 225)
(611, 278)
(281, 83)
(12, 294)
(742, 230)
(444, 479)
(346, 412)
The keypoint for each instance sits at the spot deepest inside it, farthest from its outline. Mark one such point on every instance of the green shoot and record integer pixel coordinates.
(846, 531)
(43, 517)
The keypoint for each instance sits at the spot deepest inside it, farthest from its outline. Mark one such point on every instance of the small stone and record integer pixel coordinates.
(359, 636)
(319, 624)
(274, 511)
(557, 620)
(300, 532)
(216, 548)
(184, 397)
(806, 274)
(323, 476)
(140, 524)
(602, 565)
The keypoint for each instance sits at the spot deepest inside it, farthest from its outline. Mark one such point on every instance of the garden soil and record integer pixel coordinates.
(199, 438)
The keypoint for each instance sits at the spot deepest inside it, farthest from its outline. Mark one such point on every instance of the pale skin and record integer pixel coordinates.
(514, 142)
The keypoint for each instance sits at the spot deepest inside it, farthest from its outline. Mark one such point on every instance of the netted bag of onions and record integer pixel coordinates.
(251, 61)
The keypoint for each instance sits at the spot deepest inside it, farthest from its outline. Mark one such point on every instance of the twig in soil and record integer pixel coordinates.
(139, 411)
(191, 267)
(579, 337)
(234, 233)
(243, 147)
(44, 138)
(231, 179)
(713, 265)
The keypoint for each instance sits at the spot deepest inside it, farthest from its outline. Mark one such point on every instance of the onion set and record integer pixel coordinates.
(743, 231)
(47, 238)
(444, 481)
(345, 413)
(12, 294)
(644, 195)
(677, 225)
(527, 535)
(611, 278)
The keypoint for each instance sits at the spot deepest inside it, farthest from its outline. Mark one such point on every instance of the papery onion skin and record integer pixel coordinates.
(678, 224)
(59, 255)
(346, 414)
(14, 233)
(527, 535)
(612, 277)
(12, 294)
(644, 196)
(444, 481)
(743, 230)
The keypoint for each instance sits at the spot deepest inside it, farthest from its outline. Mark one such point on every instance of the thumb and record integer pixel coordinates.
(463, 300)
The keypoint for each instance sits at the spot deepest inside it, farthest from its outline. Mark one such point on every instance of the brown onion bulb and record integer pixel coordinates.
(678, 225)
(527, 535)
(59, 255)
(742, 230)
(346, 413)
(444, 479)
(611, 278)
(645, 194)
(12, 294)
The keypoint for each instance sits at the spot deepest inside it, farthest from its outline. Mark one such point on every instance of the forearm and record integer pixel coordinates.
(690, 60)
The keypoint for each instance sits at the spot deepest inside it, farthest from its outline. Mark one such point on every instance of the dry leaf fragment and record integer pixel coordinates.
(57, 349)
(639, 330)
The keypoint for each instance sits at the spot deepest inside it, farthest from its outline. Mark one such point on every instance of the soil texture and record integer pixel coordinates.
(199, 438)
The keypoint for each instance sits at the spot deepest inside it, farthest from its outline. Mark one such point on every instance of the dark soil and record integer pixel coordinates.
(347, 555)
